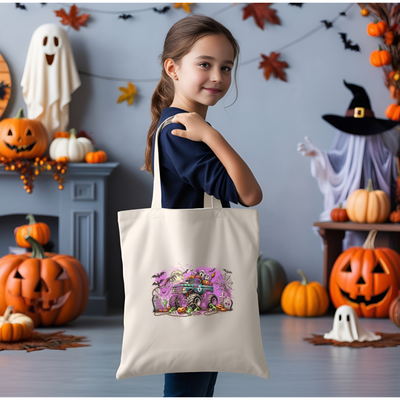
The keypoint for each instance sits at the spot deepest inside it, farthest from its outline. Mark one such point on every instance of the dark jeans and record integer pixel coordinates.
(190, 384)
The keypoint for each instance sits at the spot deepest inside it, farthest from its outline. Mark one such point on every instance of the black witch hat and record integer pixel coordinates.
(359, 118)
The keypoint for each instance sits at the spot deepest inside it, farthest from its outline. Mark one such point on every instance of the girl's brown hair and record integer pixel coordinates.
(178, 42)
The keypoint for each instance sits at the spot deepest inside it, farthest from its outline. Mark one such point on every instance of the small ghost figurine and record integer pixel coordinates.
(348, 328)
(49, 78)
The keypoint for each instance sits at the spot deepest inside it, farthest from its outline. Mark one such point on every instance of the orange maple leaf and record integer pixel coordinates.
(260, 11)
(185, 6)
(72, 18)
(272, 65)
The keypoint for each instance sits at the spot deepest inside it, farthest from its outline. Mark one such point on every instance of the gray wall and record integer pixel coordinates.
(264, 125)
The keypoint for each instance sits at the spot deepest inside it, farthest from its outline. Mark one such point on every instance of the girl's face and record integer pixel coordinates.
(203, 75)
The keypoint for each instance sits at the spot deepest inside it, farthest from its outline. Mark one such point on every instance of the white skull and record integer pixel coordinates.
(347, 327)
(202, 274)
(207, 277)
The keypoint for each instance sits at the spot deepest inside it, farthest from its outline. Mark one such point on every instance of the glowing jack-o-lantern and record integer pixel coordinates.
(22, 137)
(366, 278)
(50, 288)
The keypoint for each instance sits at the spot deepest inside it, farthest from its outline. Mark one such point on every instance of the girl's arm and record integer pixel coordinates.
(247, 187)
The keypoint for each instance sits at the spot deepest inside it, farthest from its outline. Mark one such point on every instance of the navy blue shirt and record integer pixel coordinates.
(189, 168)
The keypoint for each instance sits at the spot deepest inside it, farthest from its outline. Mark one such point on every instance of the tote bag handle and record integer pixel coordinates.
(209, 201)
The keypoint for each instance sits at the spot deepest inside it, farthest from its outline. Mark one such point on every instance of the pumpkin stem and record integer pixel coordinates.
(20, 113)
(370, 188)
(31, 219)
(379, 47)
(73, 132)
(304, 281)
(7, 314)
(340, 205)
(37, 249)
(370, 240)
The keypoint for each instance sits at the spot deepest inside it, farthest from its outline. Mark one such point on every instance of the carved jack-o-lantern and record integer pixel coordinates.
(50, 288)
(22, 137)
(366, 278)
(181, 310)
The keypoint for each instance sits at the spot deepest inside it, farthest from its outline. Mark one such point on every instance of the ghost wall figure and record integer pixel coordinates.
(49, 78)
(347, 327)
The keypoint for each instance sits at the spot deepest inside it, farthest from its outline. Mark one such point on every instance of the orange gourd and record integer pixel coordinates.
(38, 230)
(377, 28)
(368, 205)
(394, 310)
(304, 299)
(15, 327)
(94, 157)
(364, 12)
(379, 58)
(61, 134)
(393, 112)
(395, 215)
(339, 214)
(22, 137)
(52, 289)
(389, 36)
(366, 278)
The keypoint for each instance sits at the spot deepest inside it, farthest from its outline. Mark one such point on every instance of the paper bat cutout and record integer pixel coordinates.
(158, 275)
(161, 10)
(296, 4)
(125, 16)
(186, 271)
(21, 6)
(327, 24)
(212, 270)
(348, 44)
(228, 272)
(343, 14)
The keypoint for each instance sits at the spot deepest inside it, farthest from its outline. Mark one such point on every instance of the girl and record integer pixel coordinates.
(198, 56)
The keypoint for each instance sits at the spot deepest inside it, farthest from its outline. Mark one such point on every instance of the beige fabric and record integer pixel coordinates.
(178, 242)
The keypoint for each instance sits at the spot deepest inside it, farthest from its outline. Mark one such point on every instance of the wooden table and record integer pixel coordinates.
(333, 233)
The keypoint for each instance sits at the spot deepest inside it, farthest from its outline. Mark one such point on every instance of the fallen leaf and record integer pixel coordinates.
(272, 65)
(185, 6)
(260, 11)
(72, 18)
(128, 94)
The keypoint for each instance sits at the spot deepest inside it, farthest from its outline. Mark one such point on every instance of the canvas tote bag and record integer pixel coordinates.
(190, 280)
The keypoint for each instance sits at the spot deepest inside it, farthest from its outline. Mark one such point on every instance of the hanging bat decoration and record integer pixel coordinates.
(212, 270)
(125, 16)
(186, 271)
(228, 272)
(21, 6)
(327, 24)
(296, 4)
(3, 88)
(161, 10)
(158, 275)
(343, 14)
(348, 44)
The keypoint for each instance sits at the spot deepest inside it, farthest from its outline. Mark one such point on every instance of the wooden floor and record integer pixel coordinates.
(298, 369)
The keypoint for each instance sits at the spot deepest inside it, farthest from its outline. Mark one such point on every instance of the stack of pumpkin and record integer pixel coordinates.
(27, 138)
(366, 206)
(43, 288)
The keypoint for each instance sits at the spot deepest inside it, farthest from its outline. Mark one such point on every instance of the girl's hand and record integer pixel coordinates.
(196, 127)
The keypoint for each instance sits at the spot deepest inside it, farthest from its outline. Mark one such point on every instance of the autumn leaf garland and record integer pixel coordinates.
(259, 11)
(72, 18)
(271, 65)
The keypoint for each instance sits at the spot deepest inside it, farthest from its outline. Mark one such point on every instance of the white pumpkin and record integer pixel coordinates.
(74, 148)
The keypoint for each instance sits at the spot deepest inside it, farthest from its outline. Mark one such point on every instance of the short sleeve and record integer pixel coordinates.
(197, 165)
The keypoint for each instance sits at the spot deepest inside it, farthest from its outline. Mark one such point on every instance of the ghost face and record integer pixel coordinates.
(347, 327)
(49, 40)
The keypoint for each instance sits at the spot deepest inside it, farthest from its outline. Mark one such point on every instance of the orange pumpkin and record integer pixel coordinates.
(389, 36)
(379, 58)
(304, 299)
(394, 310)
(52, 289)
(377, 28)
(15, 327)
(38, 230)
(393, 112)
(364, 12)
(339, 214)
(368, 205)
(181, 310)
(395, 215)
(394, 92)
(22, 137)
(94, 157)
(366, 278)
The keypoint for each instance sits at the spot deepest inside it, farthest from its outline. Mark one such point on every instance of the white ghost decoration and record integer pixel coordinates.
(49, 78)
(347, 327)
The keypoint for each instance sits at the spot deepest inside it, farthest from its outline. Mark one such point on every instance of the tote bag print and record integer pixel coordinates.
(190, 281)
(200, 291)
